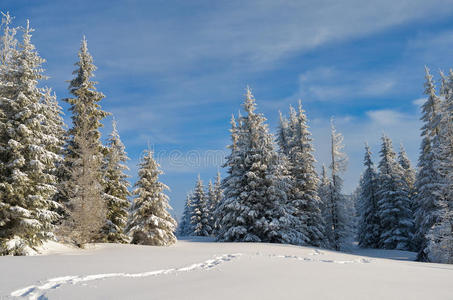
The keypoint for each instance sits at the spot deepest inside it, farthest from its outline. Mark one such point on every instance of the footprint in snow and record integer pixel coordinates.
(38, 291)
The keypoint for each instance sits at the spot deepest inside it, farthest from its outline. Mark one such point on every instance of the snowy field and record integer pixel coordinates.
(199, 269)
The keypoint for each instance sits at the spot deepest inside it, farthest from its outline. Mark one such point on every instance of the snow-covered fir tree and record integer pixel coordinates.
(440, 236)
(55, 130)
(8, 44)
(185, 227)
(200, 219)
(409, 178)
(444, 86)
(352, 201)
(428, 182)
(369, 222)
(409, 172)
(254, 205)
(439, 247)
(340, 210)
(324, 190)
(303, 195)
(150, 222)
(27, 209)
(54, 126)
(116, 189)
(394, 203)
(86, 119)
(211, 204)
(218, 196)
(283, 134)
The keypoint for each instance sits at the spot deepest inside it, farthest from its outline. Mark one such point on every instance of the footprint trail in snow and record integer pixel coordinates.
(360, 260)
(38, 291)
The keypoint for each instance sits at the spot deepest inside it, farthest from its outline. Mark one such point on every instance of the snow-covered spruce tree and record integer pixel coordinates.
(409, 172)
(409, 179)
(185, 227)
(324, 190)
(211, 204)
(150, 222)
(116, 189)
(218, 196)
(303, 196)
(439, 247)
(340, 210)
(55, 130)
(352, 201)
(54, 126)
(439, 238)
(214, 197)
(86, 120)
(26, 188)
(440, 235)
(234, 169)
(394, 202)
(254, 206)
(369, 222)
(283, 134)
(8, 47)
(444, 86)
(200, 211)
(428, 181)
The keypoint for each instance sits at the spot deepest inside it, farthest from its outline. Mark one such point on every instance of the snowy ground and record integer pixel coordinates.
(198, 269)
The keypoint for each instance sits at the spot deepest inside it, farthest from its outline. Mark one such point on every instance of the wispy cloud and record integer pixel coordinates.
(387, 117)
(246, 34)
(419, 101)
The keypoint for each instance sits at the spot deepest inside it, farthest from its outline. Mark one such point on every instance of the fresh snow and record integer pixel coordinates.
(37, 291)
(207, 270)
(52, 247)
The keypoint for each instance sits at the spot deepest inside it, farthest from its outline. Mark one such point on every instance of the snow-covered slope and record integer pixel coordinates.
(199, 269)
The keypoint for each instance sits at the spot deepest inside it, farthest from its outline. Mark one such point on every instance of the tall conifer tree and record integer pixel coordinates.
(324, 190)
(439, 238)
(254, 205)
(200, 219)
(86, 119)
(428, 200)
(369, 222)
(394, 202)
(218, 197)
(116, 189)
(150, 222)
(211, 204)
(185, 227)
(409, 172)
(304, 197)
(341, 214)
(27, 209)
(283, 134)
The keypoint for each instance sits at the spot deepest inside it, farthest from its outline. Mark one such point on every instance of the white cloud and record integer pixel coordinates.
(247, 34)
(386, 117)
(332, 84)
(419, 101)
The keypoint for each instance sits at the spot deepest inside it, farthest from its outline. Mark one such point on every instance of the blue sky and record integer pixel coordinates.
(173, 72)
